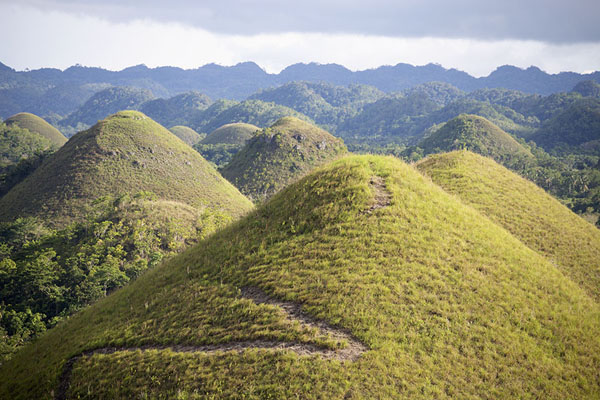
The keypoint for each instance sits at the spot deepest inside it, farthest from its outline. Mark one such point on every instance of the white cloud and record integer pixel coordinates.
(34, 39)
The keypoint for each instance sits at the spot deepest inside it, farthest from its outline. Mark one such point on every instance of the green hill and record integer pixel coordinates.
(125, 153)
(362, 280)
(36, 124)
(177, 110)
(236, 133)
(278, 155)
(575, 129)
(525, 210)
(18, 144)
(477, 134)
(188, 135)
(588, 89)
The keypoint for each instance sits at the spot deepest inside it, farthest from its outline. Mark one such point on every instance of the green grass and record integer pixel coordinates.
(19, 144)
(477, 134)
(188, 135)
(37, 125)
(237, 133)
(278, 155)
(450, 304)
(125, 153)
(529, 213)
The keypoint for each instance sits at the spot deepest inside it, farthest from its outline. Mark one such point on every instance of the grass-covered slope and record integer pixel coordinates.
(529, 213)
(37, 125)
(187, 134)
(446, 304)
(278, 155)
(125, 153)
(236, 133)
(17, 144)
(477, 134)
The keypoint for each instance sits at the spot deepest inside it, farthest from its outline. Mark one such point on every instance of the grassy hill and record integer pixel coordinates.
(477, 134)
(18, 144)
(236, 133)
(125, 153)
(37, 125)
(418, 296)
(278, 155)
(187, 134)
(525, 210)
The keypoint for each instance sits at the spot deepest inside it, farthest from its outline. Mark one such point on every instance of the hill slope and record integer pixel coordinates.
(424, 297)
(37, 125)
(477, 134)
(278, 155)
(187, 134)
(236, 133)
(125, 153)
(529, 213)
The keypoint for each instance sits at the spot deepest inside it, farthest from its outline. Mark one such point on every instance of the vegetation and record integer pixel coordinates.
(236, 133)
(449, 304)
(188, 135)
(177, 110)
(18, 144)
(46, 275)
(35, 124)
(277, 156)
(477, 134)
(125, 153)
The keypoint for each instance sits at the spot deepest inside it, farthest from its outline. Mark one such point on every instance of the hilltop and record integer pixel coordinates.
(236, 133)
(362, 280)
(37, 125)
(124, 153)
(280, 154)
(525, 210)
(477, 134)
(187, 134)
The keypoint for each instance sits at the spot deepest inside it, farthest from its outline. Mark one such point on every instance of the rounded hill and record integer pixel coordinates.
(362, 280)
(477, 134)
(124, 153)
(37, 125)
(236, 133)
(188, 135)
(530, 214)
(276, 156)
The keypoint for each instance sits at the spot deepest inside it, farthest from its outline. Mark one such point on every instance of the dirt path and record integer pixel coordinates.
(352, 350)
(382, 198)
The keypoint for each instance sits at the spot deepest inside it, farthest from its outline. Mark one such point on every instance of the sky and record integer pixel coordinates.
(472, 36)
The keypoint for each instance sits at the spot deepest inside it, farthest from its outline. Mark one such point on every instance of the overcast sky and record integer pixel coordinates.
(473, 36)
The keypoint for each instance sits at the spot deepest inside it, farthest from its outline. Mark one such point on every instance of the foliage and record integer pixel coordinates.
(47, 275)
(18, 144)
(35, 124)
(177, 110)
(218, 154)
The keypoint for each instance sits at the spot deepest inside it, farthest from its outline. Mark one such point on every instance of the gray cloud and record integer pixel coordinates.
(554, 21)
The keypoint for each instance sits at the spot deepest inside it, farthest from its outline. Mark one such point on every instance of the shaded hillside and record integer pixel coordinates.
(587, 89)
(529, 213)
(37, 125)
(477, 134)
(576, 129)
(125, 153)
(187, 134)
(18, 144)
(236, 133)
(363, 280)
(440, 93)
(276, 156)
(105, 103)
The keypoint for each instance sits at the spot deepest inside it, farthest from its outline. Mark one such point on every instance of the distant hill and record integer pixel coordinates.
(577, 128)
(253, 112)
(37, 125)
(531, 215)
(280, 154)
(363, 280)
(187, 134)
(18, 144)
(236, 133)
(124, 153)
(440, 93)
(105, 103)
(177, 110)
(588, 89)
(477, 134)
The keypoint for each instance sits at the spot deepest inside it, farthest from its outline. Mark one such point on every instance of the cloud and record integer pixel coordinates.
(63, 39)
(554, 21)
